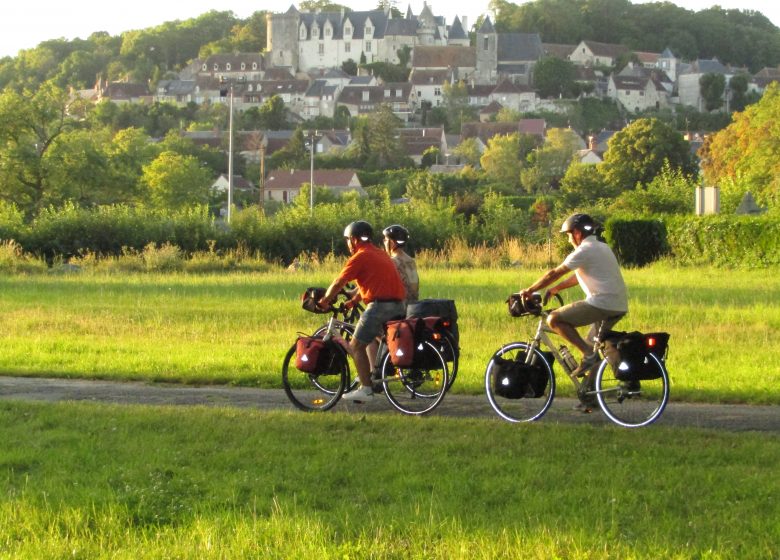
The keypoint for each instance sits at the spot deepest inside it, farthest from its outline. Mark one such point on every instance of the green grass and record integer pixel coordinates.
(99, 481)
(236, 327)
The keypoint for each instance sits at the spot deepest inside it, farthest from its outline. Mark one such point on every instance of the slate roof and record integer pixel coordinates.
(429, 77)
(558, 50)
(519, 47)
(487, 26)
(704, 66)
(353, 95)
(456, 30)
(606, 49)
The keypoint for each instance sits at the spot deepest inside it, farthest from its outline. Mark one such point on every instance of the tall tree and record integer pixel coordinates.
(176, 181)
(383, 142)
(638, 153)
(501, 159)
(712, 87)
(744, 154)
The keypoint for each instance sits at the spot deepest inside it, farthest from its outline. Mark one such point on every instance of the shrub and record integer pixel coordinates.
(636, 242)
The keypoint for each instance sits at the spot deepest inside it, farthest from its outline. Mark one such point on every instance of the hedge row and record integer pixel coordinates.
(70, 231)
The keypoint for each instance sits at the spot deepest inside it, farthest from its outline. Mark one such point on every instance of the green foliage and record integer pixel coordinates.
(670, 192)
(501, 159)
(640, 151)
(712, 87)
(176, 181)
(636, 242)
(554, 77)
(737, 241)
(387, 71)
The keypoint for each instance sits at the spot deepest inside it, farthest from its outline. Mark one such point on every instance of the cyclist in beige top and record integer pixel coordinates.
(395, 241)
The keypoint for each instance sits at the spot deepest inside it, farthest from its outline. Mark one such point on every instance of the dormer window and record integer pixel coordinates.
(315, 32)
(227, 67)
(303, 31)
(347, 30)
(254, 66)
(327, 31)
(368, 30)
(205, 67)
(216, 67)
(243, 66)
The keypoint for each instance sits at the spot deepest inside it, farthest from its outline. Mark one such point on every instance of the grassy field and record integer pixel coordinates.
(99, 481)
(235, 327)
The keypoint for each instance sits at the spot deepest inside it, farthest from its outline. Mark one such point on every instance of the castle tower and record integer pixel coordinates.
(282, 32)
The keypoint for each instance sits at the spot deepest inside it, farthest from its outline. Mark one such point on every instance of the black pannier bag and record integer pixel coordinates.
(444, 308)
(514, 379)
(629, 354)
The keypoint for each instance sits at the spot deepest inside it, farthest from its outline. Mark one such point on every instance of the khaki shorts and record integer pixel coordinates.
(579, 314)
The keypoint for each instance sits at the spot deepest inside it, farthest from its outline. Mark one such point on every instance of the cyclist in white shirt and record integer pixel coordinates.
(597, 272)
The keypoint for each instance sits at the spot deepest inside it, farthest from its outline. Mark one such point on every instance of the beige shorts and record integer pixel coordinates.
(579, 314)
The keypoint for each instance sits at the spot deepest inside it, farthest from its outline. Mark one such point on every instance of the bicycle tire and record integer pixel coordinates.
(521, 409)
(448, 347)
(311, 392)
(632, 404)
(412, 390)
(346, 331)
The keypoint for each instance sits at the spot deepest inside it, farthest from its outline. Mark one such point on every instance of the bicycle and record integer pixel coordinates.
(631, 404)
(414, 390)
(444, 339)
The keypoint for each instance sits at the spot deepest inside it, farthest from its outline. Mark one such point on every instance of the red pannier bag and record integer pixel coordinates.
(311, 354)
(402, 338)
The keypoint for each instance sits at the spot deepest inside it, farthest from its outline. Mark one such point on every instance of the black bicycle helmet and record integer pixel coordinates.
(581, 222)
(397, 233)
(359, 229)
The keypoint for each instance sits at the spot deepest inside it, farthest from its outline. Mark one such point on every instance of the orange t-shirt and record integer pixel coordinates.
(375, 274)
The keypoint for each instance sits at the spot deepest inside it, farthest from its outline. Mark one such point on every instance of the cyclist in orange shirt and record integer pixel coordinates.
(379, 286)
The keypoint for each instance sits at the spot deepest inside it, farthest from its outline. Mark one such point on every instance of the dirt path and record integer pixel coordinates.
(727, 417)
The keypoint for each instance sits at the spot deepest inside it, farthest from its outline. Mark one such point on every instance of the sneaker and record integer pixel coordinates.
(584, 407)
(586, 364)
(361, 394)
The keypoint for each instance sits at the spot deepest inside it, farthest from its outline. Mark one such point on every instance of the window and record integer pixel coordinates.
(398, 93)
(348, 30)
(254, 66)
(227, 67)
(315, 31)
(322, 48)
(368, 46)
(485, 44)
(365, 96)
(347, 47)
(205, 67)
(437, 91)
(243, 66)
(387, 93)
(368, 30)
(216, 67)
(327, 31)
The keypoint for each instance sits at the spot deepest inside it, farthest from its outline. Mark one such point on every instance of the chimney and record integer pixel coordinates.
(592, 143)
(464, 21)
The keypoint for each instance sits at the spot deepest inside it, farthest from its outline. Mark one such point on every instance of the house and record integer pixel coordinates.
(479, 94)
(122, 92)
(428, 86)
(669, 64)
(593, 53)
(558, 50)
(220, 185)
(489, 112)
(361, 100)
(506, 56)
(514, 96)
(688, 80)
(416, 141)
(285, 184)
(305, 40)
(320, 100)
(638, 93)
(461, 61)
(178, 92)
(484, 131)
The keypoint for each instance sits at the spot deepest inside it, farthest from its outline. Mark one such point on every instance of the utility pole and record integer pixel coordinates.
(230, 83)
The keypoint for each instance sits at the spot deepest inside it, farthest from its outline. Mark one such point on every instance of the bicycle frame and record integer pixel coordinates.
(542, 338)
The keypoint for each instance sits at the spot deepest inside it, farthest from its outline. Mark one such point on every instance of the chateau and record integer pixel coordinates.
(303, 41)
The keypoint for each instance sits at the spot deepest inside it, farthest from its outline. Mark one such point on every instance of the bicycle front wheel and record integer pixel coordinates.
(523, 408)
(312, 392)
(416, 390)
(632, 404)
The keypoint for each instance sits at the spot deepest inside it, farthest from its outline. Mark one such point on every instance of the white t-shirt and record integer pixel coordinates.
(598, 273)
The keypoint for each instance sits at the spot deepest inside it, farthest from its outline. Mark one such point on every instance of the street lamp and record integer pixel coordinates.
(230, 83)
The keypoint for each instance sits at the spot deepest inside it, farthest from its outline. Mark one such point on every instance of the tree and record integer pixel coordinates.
(176, 181)
(424, 186)
(350, 67)
(745, 152)
(668, 193)
(455, 103)
(549, 162)
(583, 185)
(637, 154)
(712, 87)
(554, 77)
(468, 151)
(29, 124)
(501, 159)
(383, 144)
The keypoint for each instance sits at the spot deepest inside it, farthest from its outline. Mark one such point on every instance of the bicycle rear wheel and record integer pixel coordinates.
(523, 409)
(632, 404)
(416, 390)
(346, 331)
(448, 347)
(311, 392)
